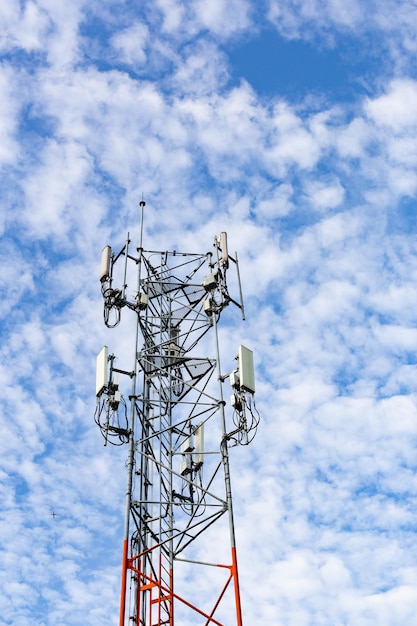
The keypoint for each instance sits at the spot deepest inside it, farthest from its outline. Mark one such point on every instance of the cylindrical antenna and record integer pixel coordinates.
(105, 269)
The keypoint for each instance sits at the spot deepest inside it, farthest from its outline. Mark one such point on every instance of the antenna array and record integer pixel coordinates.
(178, 490)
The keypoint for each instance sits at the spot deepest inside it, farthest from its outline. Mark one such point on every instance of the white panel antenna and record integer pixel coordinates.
(102, 371)
(246, 369)
(187, 445)
(223, 245)
(199, 446)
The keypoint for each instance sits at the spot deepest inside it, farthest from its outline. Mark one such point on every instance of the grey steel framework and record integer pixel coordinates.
(174, 425)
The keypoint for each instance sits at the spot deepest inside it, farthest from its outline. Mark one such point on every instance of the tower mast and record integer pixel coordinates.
(175, 564)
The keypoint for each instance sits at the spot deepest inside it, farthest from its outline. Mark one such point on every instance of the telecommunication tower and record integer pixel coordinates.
(179, 562)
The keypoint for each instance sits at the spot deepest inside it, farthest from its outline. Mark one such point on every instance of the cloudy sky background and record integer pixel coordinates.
(292, 125)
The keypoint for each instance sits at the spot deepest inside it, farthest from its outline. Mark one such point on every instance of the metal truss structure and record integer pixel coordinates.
(178, 491)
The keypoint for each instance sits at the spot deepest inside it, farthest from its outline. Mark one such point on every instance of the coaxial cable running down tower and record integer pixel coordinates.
(179, 514)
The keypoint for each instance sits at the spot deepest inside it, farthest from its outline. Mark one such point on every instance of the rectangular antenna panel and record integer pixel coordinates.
(105, 264)
(102, 371)
(187, 445)
(246, 369)
(199, 446)
(223, 245)
(185, 469)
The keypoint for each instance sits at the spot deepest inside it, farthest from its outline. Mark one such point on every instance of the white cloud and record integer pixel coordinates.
(353, 140)
(174, 15)
(292, 14)
(23, 26)
(396, 109)
(51, 186)
(200, 70)
(323, 196)
(276, 202)
(223, 17)
(328, 18)
(18, 278)
(9, 114)
(131, 43)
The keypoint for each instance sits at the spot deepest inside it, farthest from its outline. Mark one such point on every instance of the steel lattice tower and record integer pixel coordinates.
(174, 425)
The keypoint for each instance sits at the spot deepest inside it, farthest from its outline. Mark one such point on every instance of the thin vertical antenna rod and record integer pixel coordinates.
(126, 254)
(242, 307)
(142, 205)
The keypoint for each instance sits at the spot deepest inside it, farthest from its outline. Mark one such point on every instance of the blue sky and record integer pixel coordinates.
(297, 69)
(292, 125)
